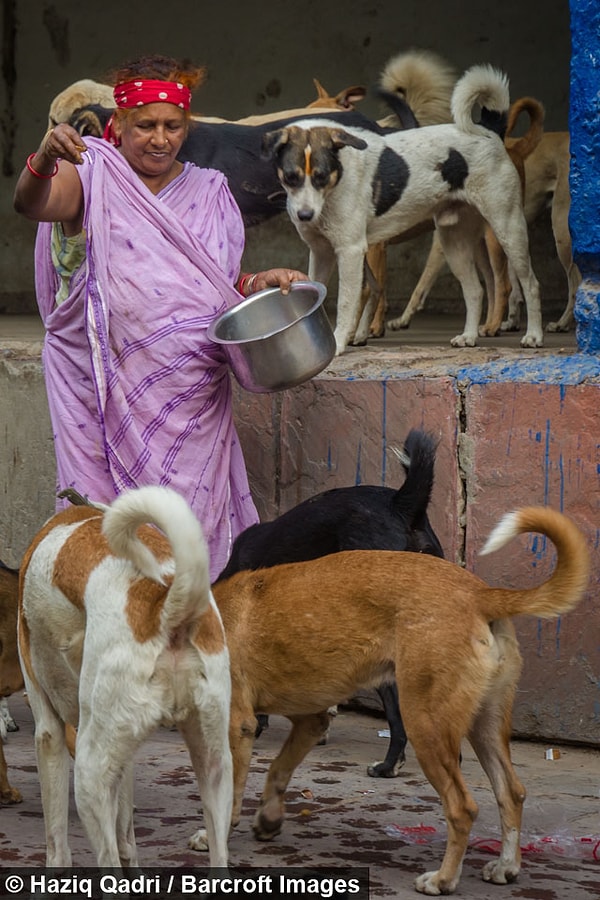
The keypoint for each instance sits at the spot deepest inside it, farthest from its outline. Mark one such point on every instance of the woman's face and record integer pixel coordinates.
(151, 137)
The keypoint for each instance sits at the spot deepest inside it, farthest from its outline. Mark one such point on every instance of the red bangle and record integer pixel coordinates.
(39, 174)
(244, 281)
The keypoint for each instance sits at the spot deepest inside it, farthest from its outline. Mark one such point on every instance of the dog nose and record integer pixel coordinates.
(305, 215)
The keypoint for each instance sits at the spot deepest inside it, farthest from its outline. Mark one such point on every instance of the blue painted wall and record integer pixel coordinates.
(584, 125)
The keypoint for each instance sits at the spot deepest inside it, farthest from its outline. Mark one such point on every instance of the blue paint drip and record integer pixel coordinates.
(547, 464)
(558, 627)
(358, 476)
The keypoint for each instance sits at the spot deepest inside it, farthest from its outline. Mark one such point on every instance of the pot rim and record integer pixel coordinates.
(316, 286)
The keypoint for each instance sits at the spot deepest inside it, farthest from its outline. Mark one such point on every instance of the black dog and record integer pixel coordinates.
(365, 517)
(236, 150)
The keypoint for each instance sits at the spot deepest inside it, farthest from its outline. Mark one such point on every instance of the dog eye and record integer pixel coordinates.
(320, 179)
(293, 179)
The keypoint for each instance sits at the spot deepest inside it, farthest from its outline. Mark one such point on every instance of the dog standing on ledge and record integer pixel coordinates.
(348, 189)
(303, 636)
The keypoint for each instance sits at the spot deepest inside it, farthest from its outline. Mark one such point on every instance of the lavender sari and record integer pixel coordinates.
(137, 393)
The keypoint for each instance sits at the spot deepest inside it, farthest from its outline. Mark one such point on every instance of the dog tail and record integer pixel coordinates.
(189, 593)
(487, 87)
(525, 145)
(567, 584)
(423, 80)
(412, 498)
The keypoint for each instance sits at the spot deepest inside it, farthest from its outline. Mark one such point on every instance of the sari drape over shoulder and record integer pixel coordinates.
(138, 394)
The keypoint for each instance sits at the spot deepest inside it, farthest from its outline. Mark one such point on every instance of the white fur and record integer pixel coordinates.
(339, 223)
(83, 665)
(506, 529)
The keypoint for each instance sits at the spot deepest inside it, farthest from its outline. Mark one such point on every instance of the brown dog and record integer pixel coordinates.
(11, 678)
(304, 636)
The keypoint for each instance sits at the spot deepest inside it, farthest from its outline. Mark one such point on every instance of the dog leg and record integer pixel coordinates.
(395, 756)
(438, 754)
(562, 239)
(8, 794)
(350, 266)
(305, 733)
(212, 763)
(376, 264)
(490, 738)
(434, 265)
(10, 723)
(498, 286)
(100, 795)
(242, 729)
(53, 768)
(458, 242)
(125, 831)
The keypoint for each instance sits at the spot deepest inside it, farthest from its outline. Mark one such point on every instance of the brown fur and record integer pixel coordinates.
(11, 678)
(304, 636)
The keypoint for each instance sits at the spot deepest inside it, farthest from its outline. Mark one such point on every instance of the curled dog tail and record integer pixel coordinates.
(422, 79)
(487, 87)
(567, 584)
(520, 148)
(189, 593)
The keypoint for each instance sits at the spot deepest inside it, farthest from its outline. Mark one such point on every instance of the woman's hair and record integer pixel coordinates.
(161, 68)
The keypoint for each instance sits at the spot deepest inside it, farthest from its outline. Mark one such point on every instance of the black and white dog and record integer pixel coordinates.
(364, 517)
(348, 188)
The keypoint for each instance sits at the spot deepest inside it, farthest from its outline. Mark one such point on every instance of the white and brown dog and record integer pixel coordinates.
(347, 189)
(304, 636)
(119, 633)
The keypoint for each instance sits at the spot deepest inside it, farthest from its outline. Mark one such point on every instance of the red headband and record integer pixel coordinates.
(129, 94)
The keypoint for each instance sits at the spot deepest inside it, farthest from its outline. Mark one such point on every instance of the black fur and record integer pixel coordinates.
(364, 517)
(234, 150)
(455, 170)
(389, 181)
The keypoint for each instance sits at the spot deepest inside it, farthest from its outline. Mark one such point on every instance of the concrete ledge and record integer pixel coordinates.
(515, 428)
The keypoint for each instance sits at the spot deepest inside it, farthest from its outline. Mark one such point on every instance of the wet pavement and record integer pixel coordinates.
(338, 816)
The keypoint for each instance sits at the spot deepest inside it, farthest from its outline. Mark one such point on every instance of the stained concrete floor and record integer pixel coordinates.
(338, 816)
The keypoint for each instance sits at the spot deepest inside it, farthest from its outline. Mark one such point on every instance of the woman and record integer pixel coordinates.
(136, 253)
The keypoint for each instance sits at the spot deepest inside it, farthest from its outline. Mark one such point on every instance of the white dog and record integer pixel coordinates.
(348, 188)
(119, 633)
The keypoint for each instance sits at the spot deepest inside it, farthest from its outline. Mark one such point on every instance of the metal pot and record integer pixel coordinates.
(275, 341)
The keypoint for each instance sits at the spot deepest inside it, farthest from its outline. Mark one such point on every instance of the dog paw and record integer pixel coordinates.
(429, 883)
(398, 324)
(381, 770)
(499, 872)
(10, 796)
(199, 841)
(463, 340)
(266, 829)
(554, 327)
(532, 340)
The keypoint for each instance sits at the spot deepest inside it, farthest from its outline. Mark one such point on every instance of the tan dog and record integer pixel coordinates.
(304, 636)
(119, 633)
(91, 93)
(11, 678)
(547, 184)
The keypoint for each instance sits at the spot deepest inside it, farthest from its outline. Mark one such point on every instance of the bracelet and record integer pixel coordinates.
(39, 174)
(246, 281)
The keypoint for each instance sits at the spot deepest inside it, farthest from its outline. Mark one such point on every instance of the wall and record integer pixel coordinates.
(261, 63)
(513, 431)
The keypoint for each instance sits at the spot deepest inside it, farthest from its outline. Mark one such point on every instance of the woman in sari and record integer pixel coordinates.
(135, 254)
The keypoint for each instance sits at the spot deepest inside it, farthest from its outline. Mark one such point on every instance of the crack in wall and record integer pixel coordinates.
(464, 457)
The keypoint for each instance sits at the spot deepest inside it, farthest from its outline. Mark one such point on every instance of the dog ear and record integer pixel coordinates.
(272, 141)
(341, 138)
